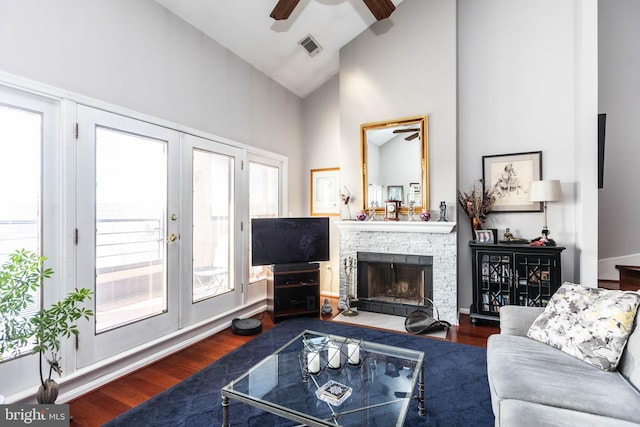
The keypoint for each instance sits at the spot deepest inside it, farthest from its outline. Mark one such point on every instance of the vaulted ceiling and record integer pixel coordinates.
(246, 29)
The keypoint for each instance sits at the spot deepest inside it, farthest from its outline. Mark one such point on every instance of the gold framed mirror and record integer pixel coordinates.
(395, 163)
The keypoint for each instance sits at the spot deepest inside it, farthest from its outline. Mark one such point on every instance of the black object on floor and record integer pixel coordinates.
(246, 326)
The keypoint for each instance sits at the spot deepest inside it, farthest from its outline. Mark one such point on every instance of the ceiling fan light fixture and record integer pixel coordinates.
(310, 45)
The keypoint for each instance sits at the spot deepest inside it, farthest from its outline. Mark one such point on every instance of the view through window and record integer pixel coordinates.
(264, 199)
(20, 174)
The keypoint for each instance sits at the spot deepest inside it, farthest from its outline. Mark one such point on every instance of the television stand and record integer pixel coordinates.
(293, 290)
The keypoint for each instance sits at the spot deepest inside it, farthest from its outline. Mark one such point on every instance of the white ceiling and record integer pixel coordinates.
(245, 28)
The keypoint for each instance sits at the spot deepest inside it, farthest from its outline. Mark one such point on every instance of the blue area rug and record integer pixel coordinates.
(456, 386)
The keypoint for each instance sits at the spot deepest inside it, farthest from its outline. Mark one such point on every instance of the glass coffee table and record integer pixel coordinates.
(320, 379)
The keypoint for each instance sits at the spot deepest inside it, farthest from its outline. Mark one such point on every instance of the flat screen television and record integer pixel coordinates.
(289, 240)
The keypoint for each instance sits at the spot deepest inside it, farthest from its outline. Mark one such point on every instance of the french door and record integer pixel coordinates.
(211, 230)
(155, 230)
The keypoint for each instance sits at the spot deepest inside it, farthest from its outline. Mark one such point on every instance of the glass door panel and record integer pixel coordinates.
(131, 281)
(212, 211)
(264, 201)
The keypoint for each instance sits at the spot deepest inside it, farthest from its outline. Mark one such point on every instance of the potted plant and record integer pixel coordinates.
(20, 277)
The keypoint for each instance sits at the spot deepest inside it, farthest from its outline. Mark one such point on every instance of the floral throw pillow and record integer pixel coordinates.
(591, 324)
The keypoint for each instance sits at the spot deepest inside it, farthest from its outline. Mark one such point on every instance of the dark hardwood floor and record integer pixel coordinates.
(110, 400)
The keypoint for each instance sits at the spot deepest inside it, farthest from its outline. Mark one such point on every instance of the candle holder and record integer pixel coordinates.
(372, 211)
(412, 208)
(329, 355)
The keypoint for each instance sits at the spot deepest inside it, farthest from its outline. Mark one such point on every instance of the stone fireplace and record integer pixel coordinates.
(430, 246)
(393, 283)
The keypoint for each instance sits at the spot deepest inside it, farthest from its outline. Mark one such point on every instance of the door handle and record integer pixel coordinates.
(172, 237)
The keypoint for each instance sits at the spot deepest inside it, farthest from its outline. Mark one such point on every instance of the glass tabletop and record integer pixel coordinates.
(328, 380)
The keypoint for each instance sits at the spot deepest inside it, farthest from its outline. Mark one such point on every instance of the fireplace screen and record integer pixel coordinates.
(389, 281)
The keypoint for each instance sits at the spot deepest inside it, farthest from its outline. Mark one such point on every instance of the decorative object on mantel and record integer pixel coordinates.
(477, 204)
(346, 197)
(425, 215)
(361, 216)
(391, 209)
(372, 211)
(411, 210)
(443, 211)
(545, 191)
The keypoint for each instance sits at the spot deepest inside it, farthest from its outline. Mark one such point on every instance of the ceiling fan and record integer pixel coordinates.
(381, 9)
(410, 137)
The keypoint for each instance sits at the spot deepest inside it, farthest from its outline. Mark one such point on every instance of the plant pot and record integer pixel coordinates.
(47, 394)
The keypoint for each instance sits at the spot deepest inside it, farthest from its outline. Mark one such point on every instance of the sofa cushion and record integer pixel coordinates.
(591, 324)
(629, 365)
(523, 369)
(527, 414)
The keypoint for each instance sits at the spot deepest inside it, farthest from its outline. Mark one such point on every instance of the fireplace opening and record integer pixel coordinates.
(393, 283)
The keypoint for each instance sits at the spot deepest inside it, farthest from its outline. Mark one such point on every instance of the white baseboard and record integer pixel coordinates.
(464, 311)
(88, 379)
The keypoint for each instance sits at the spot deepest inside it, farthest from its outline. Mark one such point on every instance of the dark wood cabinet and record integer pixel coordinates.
(293, 293)
(517, 274)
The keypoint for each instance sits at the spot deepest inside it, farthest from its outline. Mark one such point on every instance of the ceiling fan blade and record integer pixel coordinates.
(381, 9)
(411, 137)
(283, 9)
(405, 130)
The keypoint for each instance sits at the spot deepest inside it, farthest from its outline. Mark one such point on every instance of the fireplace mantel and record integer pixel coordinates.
(437, 239)
(443, 227)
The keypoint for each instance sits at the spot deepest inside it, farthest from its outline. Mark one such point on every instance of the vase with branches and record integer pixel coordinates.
(20, 277)
(476, 203)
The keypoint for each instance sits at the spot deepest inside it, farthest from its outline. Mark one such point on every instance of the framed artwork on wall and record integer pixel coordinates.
(509, 177)
(325, 192)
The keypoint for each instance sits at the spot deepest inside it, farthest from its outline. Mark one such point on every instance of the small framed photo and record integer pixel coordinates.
(508, 177)
(394, 192)
(484, 236)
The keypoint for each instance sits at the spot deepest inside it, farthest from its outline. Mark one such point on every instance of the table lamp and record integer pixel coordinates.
(545, 191)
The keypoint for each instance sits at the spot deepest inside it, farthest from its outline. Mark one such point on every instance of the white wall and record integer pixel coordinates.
(321, 136)
(137, 55)
(521, 89)
(526, 81)
(404, 66)
(619, 97)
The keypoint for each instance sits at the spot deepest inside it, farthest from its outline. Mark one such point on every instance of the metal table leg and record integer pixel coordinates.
(225, 411)
(421, 409)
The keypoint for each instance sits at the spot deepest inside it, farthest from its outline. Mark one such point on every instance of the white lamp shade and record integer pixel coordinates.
(545, 191)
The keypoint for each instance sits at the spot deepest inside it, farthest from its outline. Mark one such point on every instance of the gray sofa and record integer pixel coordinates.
(534, 384)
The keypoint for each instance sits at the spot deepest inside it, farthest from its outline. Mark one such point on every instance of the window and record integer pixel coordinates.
(130, 211)
(28, 131)
(264, 200)
(20, 163)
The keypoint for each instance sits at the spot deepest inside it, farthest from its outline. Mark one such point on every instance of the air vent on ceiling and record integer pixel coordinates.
(310, 45)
